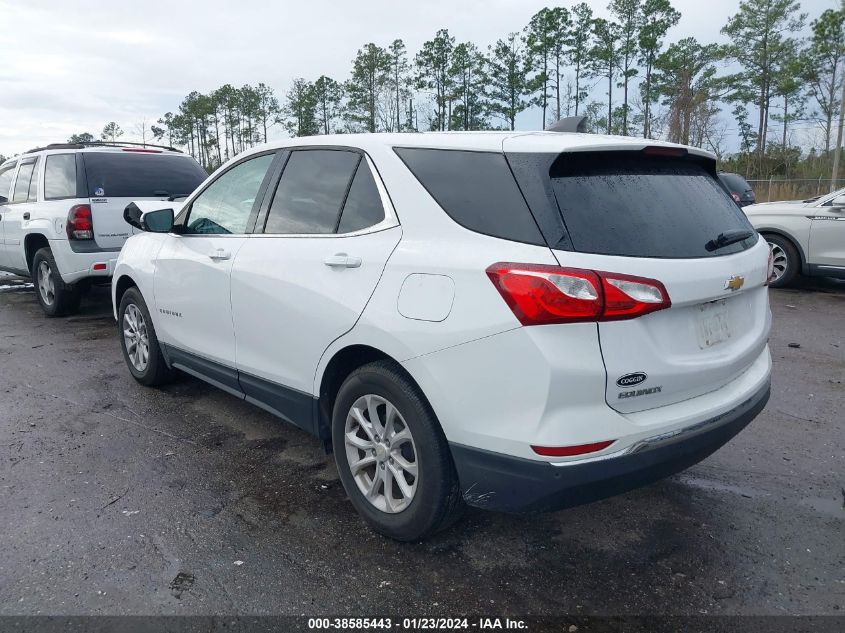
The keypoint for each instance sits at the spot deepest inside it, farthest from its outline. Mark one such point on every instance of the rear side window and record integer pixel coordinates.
(363, 207)
(627, 204)
(311, 192)
(6, 175)
(476, 189)
(22, 183)
(60, 176)
(140, 175)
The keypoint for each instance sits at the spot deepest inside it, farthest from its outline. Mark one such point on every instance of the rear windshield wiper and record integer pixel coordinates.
(727, 238)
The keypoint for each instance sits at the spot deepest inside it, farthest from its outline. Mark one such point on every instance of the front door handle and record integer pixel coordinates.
(220, 255)
(342, 260)
(26, 215)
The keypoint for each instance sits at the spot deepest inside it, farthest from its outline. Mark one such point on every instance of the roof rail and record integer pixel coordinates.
(569, 124)
(85, 144)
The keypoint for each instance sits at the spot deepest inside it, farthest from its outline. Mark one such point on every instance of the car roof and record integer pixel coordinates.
(481, 141)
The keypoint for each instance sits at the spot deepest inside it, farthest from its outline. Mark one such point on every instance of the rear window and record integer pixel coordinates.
(140, 175)
(476, 189)
(636, 206)
(735, 182)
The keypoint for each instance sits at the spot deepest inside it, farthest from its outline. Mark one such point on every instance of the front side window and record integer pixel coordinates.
(60, 176)
(311, 192)
(21, 192)
(226, 205)
(6, 175)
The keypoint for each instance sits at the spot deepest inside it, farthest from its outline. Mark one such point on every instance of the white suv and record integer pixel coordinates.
(515, 321)
(807, 237)
(61, 211)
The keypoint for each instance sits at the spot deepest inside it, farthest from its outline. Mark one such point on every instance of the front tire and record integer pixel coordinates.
(139, 342)
(786, 261)
(391, 454)
(55, 297)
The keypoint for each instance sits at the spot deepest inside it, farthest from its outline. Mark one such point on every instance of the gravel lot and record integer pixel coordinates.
(116, 499)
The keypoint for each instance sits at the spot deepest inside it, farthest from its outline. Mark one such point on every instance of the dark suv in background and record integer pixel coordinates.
(738, 187)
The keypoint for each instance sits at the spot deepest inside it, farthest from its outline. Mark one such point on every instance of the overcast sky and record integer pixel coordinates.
(71, 67)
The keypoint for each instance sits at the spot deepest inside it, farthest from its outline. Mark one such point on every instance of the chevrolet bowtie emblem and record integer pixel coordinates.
(734, 283)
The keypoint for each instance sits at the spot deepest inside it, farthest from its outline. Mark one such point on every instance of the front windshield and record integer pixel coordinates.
(823, 200)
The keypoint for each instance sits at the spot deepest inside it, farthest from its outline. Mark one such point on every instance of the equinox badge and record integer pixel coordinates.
(734, 283)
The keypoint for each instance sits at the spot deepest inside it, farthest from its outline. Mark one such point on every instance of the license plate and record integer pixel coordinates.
(712, 325)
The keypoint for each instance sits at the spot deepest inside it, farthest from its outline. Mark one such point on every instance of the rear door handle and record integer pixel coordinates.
(220, 255)
(26, 215)
(342, 260)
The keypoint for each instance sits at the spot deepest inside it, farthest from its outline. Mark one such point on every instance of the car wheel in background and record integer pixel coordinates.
(139, 342)
(392, 456)
(785, 261)
(55, 296)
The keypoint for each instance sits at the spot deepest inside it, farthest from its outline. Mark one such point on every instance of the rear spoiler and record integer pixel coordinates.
(577, 124)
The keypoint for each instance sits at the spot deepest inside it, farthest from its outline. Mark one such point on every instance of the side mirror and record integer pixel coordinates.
(838, 201)
(158, 221)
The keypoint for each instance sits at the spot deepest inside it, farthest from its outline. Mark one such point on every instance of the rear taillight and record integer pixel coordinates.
(539, 294)
(80, 223)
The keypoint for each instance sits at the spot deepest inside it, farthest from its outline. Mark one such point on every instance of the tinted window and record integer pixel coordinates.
(363, 207)
(735, 182)
(140, 175)
(623, 204)
(226, 204)
(6, 176)
(22, 182)
(311, 192)
(60, 176)
(476, 189)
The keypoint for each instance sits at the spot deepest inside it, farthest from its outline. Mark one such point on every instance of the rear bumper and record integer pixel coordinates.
(74, 266)
(511, 484)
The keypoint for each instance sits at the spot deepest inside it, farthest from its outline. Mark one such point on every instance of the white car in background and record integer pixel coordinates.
(515, 321)
(61, 211)
(807, 237)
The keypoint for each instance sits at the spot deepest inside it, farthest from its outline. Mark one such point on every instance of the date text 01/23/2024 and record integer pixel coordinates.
(415, 624)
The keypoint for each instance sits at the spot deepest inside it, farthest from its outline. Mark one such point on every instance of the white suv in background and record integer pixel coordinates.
(807, 237)
(61, 211)
(515, 321)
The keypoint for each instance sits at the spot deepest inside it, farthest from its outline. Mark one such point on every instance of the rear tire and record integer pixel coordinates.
(55, 297)
(787, 262)
(382, 420)
(139, 342)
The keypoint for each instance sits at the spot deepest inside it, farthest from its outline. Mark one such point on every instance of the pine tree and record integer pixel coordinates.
(370, 74)
(509, 85)
(656, 18)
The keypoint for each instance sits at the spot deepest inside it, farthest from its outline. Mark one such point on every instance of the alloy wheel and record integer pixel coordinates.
(780, 261)
(381, 453)
(46, 285)
(135, 337)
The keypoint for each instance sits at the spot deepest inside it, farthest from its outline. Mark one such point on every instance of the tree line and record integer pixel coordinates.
(554, 67)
